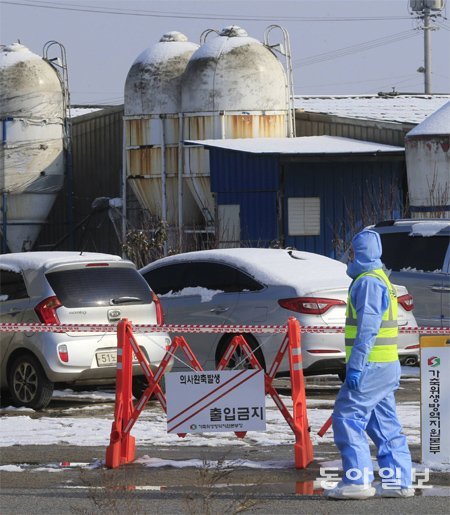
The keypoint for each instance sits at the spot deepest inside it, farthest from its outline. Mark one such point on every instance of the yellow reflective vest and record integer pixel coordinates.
(385, 346)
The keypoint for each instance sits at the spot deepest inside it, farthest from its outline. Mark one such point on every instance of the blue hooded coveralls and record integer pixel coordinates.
(371, 407)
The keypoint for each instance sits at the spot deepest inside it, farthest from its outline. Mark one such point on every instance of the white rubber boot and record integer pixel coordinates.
(393, 492)
(350, 491)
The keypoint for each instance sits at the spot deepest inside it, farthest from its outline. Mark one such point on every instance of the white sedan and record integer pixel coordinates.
(257, 286)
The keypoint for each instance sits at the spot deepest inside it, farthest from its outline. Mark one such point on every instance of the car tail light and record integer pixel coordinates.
(46, 310)
(406, 302)
(159, 310)
(96, 264)
(416, 346)
(310, 305)
(63, 353)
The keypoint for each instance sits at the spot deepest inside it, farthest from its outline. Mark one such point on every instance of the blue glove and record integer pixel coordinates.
(352, 378)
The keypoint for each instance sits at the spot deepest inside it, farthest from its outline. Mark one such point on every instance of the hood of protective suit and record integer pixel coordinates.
(367, 249)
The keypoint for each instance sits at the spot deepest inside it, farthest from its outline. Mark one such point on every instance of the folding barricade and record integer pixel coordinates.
(122, 445)
(121, 449)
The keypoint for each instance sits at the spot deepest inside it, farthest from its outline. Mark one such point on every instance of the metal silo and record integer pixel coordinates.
(153, 125)
(32, 161)
(427, 149)
(234, 87)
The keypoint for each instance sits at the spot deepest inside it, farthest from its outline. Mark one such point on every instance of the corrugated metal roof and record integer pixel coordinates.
(389, 108)
(81, 111)
(303, 145)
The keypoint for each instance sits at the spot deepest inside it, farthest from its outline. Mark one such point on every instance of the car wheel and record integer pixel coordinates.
(139, 385)
(239, 360)
(28, 384)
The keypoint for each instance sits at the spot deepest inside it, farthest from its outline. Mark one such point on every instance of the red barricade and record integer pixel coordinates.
(121, 449)
(325, 427)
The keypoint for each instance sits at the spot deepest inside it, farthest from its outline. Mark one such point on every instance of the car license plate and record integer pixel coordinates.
(109, 358)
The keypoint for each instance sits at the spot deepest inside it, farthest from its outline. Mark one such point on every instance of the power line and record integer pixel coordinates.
(410, 76)
(204, 16)
(353, 49)
(412, 83)
(442, 25)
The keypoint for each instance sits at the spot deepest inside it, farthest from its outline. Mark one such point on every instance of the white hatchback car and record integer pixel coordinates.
(264, 286)
(70, 288)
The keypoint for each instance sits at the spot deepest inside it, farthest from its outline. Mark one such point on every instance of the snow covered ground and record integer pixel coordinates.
(76, 425)
(22, 426)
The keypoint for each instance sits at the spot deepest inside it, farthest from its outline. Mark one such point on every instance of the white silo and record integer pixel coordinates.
(153, 127)
(32, 161)
(427, 149)
(233, 87)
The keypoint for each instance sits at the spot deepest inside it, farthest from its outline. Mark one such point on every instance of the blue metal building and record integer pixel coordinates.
(311, 193)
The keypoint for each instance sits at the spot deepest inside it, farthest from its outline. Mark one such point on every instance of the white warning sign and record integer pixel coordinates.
(215, 401)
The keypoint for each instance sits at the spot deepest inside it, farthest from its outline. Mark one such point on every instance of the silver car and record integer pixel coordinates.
(417, 253)
(263, 286)
(70, 288)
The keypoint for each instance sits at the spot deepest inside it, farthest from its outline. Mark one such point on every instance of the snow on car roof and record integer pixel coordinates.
(429, 228)
(416, 227)
(18, 261)
(305, 271)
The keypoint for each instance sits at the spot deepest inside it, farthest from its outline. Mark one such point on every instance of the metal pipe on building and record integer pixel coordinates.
(4, 222)
(180, 181)
(4, 208)
(124, 190)
(163, 177)
(222, 125)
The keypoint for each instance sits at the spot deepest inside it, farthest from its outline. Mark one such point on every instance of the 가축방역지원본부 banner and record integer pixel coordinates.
(435, 399)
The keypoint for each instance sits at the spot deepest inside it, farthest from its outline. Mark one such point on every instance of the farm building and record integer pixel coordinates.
(382, 119)
(310, 193)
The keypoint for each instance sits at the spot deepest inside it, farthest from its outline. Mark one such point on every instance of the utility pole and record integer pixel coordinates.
(426, 10)
(427, 50)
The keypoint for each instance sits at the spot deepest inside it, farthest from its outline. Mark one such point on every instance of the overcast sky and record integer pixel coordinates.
(338, 46)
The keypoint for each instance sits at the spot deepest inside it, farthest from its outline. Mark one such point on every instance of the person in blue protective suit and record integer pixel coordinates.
(366, 402)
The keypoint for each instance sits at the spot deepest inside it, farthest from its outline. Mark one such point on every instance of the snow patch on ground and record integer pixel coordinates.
(94, 395)
(151, 428)
(212, 464)
(11, 468)
(22, 409)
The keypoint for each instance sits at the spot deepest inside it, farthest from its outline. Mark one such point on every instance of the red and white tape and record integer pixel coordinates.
(181, 328)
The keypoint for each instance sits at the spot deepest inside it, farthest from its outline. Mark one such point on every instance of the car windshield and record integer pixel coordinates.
(105, 286)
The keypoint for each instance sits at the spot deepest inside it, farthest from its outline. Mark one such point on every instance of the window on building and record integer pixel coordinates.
(304, 216)
(229, 225)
